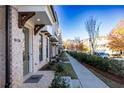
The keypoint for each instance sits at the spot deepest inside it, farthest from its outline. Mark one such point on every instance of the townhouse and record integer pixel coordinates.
(101, 44)
(29, 38)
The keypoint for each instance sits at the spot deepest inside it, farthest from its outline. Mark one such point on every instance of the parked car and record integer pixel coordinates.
(102, 54)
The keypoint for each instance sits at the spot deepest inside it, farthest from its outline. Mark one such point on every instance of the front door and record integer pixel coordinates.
(26, 51)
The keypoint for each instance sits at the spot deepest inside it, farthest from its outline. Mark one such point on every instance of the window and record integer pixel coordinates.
(41, 48)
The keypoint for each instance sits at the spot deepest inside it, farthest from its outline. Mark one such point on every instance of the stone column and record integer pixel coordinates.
(16, 48)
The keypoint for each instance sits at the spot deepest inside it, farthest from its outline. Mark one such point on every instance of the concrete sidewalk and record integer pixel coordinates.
(86, 77)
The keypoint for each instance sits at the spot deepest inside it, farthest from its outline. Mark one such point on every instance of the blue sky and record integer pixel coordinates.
(72, 17)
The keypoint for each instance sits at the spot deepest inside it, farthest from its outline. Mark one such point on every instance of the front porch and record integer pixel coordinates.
(30, 47)
(44, 82)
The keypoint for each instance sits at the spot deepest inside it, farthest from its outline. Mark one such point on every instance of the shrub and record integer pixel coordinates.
(63, 57)
(60, 68)
(57, 59)
(59, 82)
(51, 63)
(116, 68)
(106, 64)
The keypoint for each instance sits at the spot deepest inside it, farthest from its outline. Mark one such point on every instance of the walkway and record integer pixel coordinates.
(44, 82)
(86, 77)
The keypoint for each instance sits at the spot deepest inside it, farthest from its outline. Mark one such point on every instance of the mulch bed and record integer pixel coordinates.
(108, 75)
(45, 67)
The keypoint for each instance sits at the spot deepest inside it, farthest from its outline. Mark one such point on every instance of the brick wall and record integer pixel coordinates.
(16, 50)
(16, 37)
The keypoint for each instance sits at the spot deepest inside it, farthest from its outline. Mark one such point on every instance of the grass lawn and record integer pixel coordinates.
(68, 71)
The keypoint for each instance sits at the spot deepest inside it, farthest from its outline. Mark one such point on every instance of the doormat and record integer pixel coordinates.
(33, 79)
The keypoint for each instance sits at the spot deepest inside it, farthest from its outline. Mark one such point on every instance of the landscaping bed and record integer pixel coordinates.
(110, 71)
(67, 69)
(48, 67)
(104, 64)
(63, 71)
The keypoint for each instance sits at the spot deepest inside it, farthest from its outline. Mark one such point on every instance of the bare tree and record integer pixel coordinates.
(93, 31)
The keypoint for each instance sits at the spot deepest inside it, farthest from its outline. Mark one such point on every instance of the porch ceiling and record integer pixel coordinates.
(41, 18)
(43, 14)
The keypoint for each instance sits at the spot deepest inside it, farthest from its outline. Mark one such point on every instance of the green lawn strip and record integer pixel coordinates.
(68, 71)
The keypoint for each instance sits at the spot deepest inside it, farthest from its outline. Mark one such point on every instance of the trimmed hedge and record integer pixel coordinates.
(109, 65)
(59, 82)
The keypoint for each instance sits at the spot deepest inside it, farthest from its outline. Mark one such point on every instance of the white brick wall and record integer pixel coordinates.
(2, 46)
(17, 38)
(53, 50)
(17, 50)
(36, 52)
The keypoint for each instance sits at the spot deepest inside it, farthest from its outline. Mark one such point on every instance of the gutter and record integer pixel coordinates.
(54, 15)
(7, 66)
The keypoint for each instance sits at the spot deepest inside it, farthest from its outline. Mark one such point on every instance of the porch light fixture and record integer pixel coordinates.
(38, 19)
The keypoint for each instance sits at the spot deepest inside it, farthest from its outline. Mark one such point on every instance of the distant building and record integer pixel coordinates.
(101, 44)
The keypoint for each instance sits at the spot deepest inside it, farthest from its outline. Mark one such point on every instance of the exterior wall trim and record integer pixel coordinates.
(37, 28)
(23, 17)
(8, 47)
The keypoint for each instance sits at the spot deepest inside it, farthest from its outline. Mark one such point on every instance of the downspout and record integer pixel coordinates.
(7, 66)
